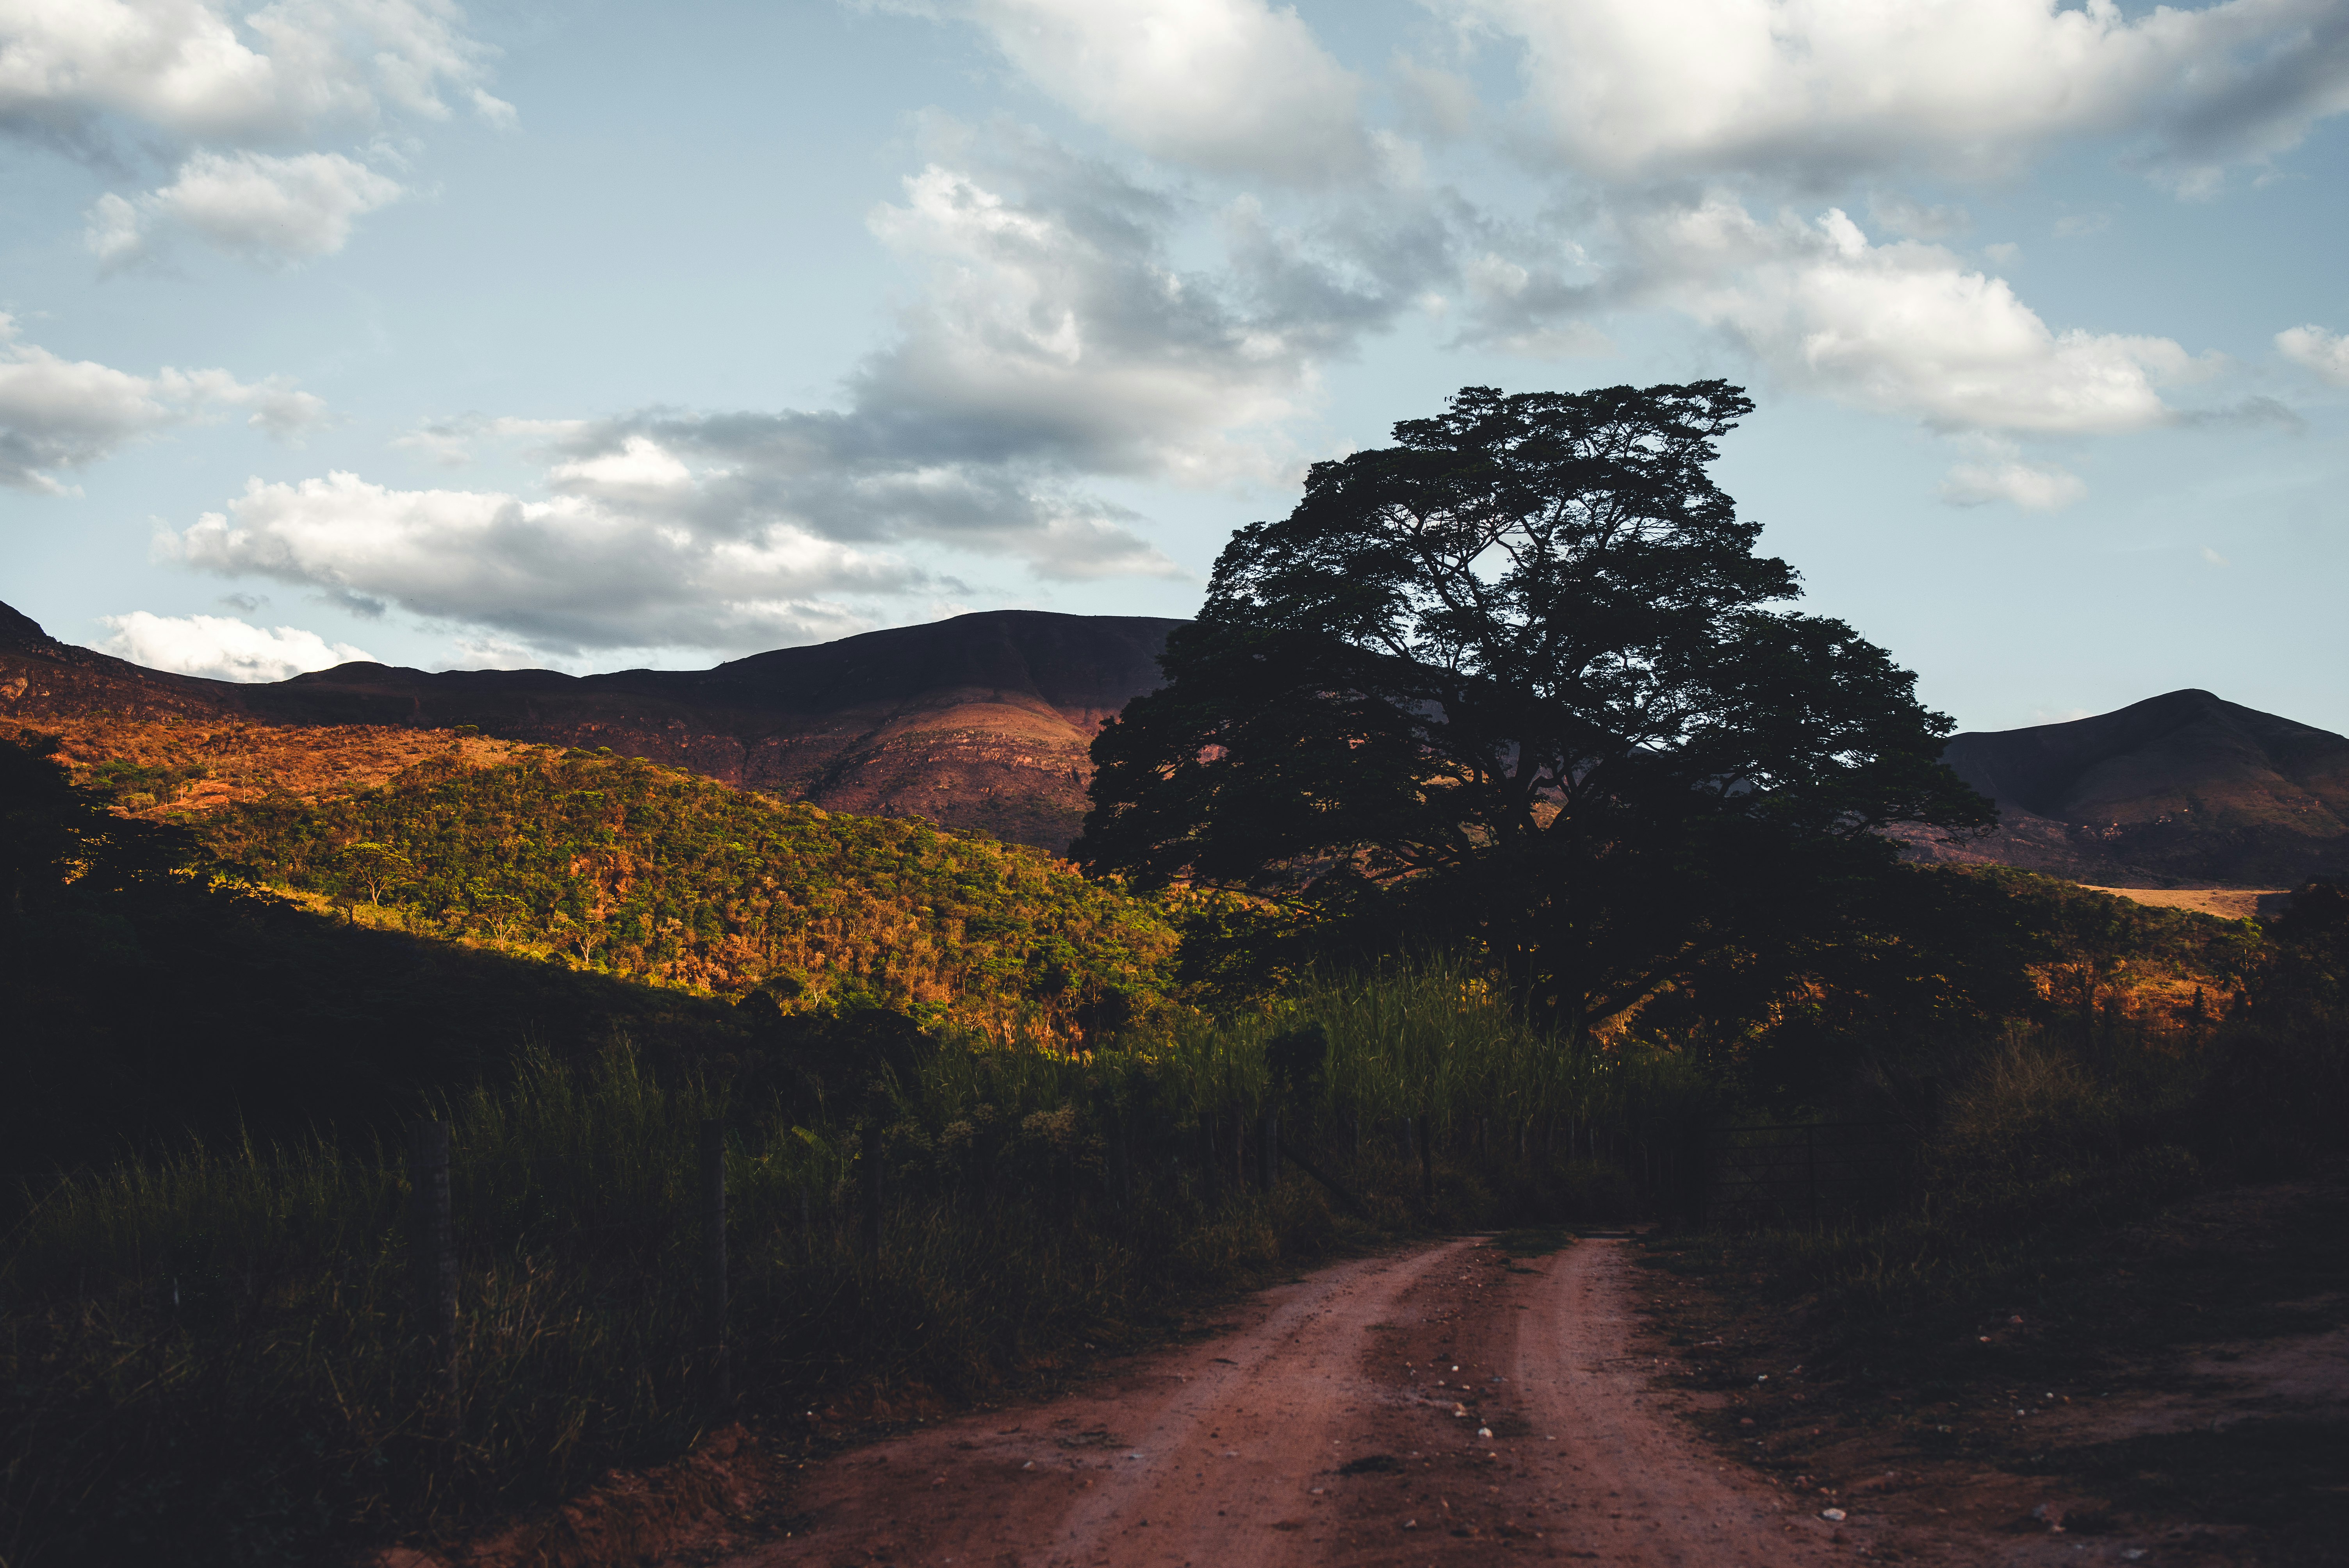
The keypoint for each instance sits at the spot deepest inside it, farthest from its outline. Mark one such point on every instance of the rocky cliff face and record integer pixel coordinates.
(2182, 789)
(981, 722)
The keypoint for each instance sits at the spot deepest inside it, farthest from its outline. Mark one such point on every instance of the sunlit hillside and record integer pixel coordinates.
(655, 874)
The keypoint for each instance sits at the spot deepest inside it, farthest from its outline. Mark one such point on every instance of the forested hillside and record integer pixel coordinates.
(651, 873)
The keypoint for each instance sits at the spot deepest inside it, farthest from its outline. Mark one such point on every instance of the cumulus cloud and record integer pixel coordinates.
(296, 68)
(1825, 89)
(2000, 474)
(1056, 344)
(222, 646)
(58, 414)
(236, 103)
(2313, 348)
(1229, 85)
(582, 570)
(261, 208)
(1905, 329)
(1914, 219)
(1435, 102)
(1529, 309)
(1057, 329)
(448, 443)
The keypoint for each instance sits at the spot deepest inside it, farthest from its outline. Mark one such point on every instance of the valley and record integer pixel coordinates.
(992, 1134)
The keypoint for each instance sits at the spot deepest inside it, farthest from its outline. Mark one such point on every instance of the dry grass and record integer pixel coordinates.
(2226, 903)
(222, 764)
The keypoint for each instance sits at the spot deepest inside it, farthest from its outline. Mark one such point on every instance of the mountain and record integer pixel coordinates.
(981, 722)
(2181, 788)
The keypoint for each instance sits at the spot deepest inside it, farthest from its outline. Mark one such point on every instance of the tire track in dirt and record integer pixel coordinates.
(1518, 1419)
(1202, 1455)
(1229, 1454)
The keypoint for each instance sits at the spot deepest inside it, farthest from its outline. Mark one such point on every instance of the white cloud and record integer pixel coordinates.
(236, 103)
(1914, 219)
(222, 646)
(2080, 225)
(1821, 89)
(261, 208)
(1436, 102)
(580, 570)
(1064, 333)
(448, 443)
(2213, 558)
(1906, 328)
(2313, 348)
(295, 71)
(1056, 344)
(1528, 311)
(2002, 475)
(1227, 86)
(58, 414)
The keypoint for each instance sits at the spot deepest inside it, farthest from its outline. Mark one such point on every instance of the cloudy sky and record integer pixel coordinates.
(593, 336)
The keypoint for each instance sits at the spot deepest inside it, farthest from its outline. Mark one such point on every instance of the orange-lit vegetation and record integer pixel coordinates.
(173, 768)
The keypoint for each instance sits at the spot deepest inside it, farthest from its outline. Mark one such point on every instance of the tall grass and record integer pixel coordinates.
(2045, 1134)
(211, 1357)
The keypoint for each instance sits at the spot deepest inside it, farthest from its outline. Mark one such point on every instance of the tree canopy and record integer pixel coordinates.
(1522, 676)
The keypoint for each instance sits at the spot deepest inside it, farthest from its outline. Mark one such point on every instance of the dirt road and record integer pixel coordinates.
(1439, 1405)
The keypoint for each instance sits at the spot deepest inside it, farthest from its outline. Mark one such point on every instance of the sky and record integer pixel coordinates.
(595, 337)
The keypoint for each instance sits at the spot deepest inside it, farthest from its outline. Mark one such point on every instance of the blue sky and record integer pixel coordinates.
(595, 337)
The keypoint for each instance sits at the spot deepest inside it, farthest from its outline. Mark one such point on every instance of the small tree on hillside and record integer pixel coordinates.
(1521, 678)
(376, 867)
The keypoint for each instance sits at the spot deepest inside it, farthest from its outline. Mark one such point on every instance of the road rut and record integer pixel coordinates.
(1342, 1419)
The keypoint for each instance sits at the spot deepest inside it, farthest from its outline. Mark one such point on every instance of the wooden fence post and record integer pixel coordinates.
(1426, 1158)
(433, 1245)
(1239, 1148)
(713, 1253)
(1269, 1150)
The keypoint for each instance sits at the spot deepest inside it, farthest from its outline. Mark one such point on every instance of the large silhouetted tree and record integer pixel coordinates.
(1521, 678)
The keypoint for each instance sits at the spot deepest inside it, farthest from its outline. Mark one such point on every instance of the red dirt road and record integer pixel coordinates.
(1327, 1427)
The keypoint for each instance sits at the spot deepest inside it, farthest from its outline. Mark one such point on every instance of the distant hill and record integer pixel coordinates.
(2182, 789)
(659, 874)
(981, 722)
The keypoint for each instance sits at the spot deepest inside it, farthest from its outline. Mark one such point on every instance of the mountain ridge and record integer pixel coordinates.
(983, 722)
(2182, 788)
(978, 722)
